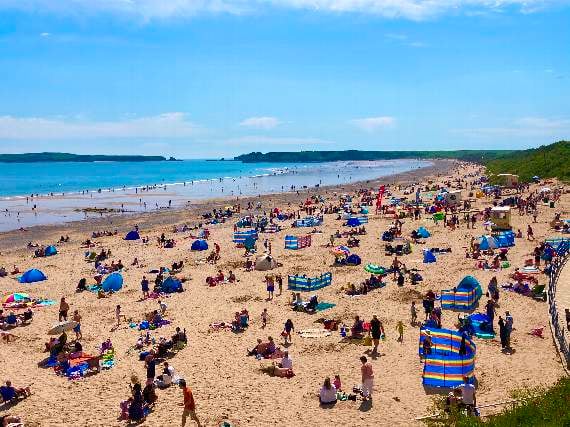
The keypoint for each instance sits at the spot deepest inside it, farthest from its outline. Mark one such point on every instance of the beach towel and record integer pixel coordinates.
(314, 333)
(322, 306)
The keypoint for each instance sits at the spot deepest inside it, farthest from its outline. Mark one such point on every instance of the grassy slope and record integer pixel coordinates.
(547, 161)
(547, 408)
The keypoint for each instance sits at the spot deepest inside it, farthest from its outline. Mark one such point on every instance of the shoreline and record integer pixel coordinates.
(170, 216)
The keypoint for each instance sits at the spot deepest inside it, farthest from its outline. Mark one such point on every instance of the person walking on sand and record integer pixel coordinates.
(367, 374)
(400, 329)
(287, 331)
(189, 404)
(529, 233)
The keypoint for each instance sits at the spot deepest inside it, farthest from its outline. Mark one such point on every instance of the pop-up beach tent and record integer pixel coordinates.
(171, 285)
(464, 297)
(33, 275)
(132, 235)
(50, 250)
(265, 262)
(199, 245)
(113, 282)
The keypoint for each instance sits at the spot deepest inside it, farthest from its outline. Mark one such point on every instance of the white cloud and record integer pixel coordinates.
(45, 34)
(526, 127)
(167, 125)
(160, 9)
(372, 124)
(265, 123)
(270, 140)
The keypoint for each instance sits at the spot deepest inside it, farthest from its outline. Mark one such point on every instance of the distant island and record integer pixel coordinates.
(84, 158)
(479, 156)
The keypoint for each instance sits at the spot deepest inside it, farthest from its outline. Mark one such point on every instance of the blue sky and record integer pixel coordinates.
(198, 78)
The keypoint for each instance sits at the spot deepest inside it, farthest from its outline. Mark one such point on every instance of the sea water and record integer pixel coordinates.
(65, 189)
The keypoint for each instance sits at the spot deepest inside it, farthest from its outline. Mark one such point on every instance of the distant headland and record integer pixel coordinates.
(479, 156)
(84, 158)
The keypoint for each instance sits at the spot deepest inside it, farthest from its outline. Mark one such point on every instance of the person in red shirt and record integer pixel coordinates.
(189, 404)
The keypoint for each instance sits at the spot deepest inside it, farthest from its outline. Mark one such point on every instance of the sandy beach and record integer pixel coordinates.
(226, 383)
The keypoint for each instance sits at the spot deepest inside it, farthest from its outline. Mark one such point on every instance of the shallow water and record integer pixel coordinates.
(123, 186)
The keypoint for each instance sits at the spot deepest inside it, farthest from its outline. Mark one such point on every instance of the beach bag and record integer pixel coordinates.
(368, 340)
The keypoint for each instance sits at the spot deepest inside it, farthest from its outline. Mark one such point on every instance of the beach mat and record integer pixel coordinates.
(314, 333)
(322, 306)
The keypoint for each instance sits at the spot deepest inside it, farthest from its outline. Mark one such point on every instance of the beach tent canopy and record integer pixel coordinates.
(429, 256)
(50, 250)
(33, 275)
(422, 232)
(132, 235)
(199, 245)
(487, 242)
(265, 262)
(353, 259)
(113, 282)
(445, 367)
(171, 285)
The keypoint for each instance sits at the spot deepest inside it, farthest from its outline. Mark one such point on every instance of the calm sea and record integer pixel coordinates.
(117, 185)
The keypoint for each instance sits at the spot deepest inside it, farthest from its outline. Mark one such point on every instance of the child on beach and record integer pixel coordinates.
(264, 317)
(414, 313)
(337, 384)
(400, 329)
(77, 329)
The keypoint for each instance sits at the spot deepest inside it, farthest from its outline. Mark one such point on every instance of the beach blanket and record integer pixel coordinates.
(314, 333)
(322, 306)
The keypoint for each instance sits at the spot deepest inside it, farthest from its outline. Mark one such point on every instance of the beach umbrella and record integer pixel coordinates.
(374, 269)
(62, 327)
(16, 297)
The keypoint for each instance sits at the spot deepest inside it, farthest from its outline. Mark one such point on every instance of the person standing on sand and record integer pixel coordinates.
(145, 287)
(264, 317)
(376, 330)
(77, 328)
(118, 315)
(367, 378)
(400, 329)
(63, 309)
(189, 404)
(414, 313)
(529, 233)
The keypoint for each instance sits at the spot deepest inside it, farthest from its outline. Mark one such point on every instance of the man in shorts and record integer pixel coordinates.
(189, 405)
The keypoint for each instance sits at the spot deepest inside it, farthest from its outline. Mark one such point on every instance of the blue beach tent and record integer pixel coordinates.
(132, 235)
(33, 275)
(113, 282)
(171, 285)
(50, 250)
(199, 245)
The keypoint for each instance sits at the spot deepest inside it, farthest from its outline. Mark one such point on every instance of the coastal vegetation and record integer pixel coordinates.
(479, 156)
(533, 407)
(547, 161)
(67, 157)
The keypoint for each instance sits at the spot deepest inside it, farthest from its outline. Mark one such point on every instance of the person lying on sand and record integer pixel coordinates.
(10, 393)
(9, 420)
